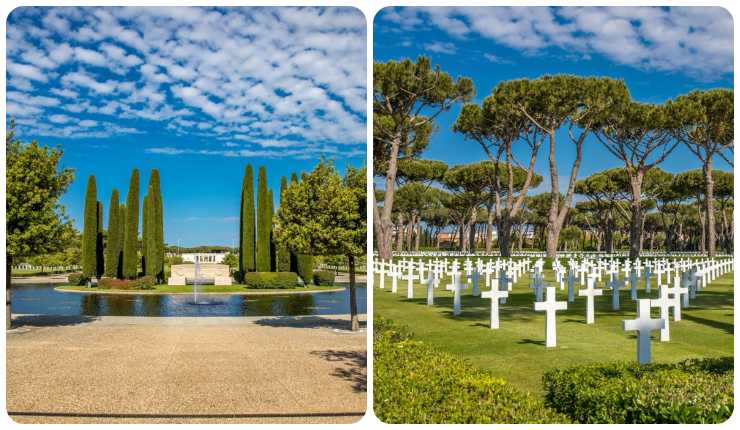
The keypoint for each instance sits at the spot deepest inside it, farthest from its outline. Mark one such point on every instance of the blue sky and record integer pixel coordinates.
(659, 52)
(195, 92)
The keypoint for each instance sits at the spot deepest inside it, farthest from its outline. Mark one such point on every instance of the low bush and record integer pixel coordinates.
(692, 391)
(304, 267)
(323, 277)
(77, 279)
(269, 280)
(143, 283)
(414, 383)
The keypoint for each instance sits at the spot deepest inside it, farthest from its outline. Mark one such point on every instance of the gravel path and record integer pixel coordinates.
(206, 370)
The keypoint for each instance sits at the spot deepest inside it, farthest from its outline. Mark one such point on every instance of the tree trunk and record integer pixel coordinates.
(636, 220)
(504, 236)
(353, 294)
(711, 229)
(8, 267)
(410, 231)
(489, 230)
(399, 237)
(385, 232)
(471, 233)
(418, 234)
(703, 236)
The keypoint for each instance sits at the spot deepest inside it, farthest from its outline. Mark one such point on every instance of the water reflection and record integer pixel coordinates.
(43, 299)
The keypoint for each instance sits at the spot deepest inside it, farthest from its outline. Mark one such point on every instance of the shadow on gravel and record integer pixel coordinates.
(50, 320)
(308, 322)
(353, 366)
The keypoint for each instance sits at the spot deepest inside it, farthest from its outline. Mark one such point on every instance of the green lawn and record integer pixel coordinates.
(206, 289)
(516, 351)
(20, 273)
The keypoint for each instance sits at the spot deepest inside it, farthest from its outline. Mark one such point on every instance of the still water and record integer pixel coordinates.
(44, 300)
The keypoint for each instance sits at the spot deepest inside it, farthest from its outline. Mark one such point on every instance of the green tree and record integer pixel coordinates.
(247, 224)
(153, 229)
(706, 126)
(496, 126)
(35, 221)
(113, 246)
(99, 241)
(639, 135)
(263, 223)
(90, 230)
(131, 230)
(283, 253)
(325, 215)
(407, 97)
(146, 219)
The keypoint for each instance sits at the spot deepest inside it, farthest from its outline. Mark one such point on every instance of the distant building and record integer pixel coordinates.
(204, 257)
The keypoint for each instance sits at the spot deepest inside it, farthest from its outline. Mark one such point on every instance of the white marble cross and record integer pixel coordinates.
(616, 284)
(456, 286)
(550, 306)
(664, 303)
(430, 289)
(395, 274)
(590, 292)
(676, 292)
(643, 324)
(382, 274)
(494, 294)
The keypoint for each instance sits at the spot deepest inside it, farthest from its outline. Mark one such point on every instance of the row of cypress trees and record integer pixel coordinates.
(257, 250)
(119, 256)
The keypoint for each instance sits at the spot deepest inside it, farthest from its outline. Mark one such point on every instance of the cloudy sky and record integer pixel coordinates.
(659, 52)
(195, 92)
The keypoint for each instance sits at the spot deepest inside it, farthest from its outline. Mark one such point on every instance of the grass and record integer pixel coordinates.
(235, 288)
(516, 351)
(22, 273)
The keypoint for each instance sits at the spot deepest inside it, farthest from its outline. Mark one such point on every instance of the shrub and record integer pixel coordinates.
(143, 283)
(414, 383)
(304, 266)
(77, 279)
(692, 391)
(323, 277)
(267, 280)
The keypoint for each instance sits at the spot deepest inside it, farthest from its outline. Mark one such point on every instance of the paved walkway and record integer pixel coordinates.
(218, 370)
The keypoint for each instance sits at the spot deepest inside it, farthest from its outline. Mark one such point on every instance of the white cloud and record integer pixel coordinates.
(441, 47)
(60, 119)
(26, 71)
(276, 80)
(697, 41)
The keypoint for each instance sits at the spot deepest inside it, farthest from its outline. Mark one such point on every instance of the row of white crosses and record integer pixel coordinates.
(684, 274)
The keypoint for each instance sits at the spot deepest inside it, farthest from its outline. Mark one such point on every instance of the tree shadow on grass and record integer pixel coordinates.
(308, 322)
(726, 327)
(50, 320)
(531, 342)
(353, 366)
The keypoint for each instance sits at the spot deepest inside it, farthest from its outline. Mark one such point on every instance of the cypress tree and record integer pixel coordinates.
(131, 234)
(270, 213)
(99, 245)
(112, 247)
(246, 224)
(157, 226)
(293, 178)
(90, 230)
(283, 253)
(263, 223)
(146, 234)
(121, 235)
(304, 263)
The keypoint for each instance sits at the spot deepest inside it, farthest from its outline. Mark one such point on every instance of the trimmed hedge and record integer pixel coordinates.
(692, 391)
(77, 279)
(414, 383)
(304, 267)
(269, 280)
(323, 277)
(143, 283)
